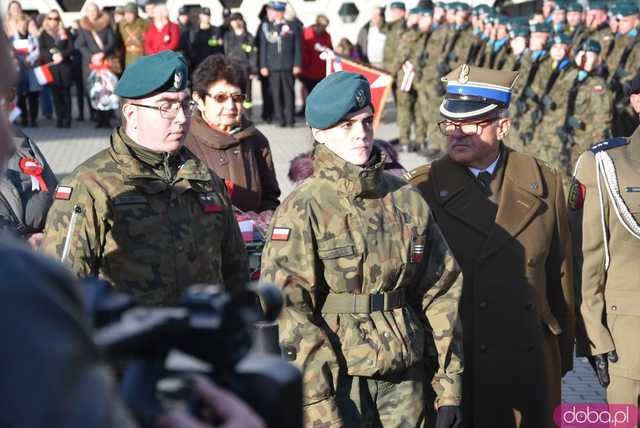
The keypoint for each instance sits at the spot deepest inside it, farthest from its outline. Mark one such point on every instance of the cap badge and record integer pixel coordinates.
(177, 80)
(464, 74)
(360, 98)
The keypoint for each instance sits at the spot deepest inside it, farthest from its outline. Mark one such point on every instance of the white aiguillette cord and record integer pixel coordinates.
(606, 168)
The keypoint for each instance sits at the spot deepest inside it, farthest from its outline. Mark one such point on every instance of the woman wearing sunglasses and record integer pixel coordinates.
(226, 140)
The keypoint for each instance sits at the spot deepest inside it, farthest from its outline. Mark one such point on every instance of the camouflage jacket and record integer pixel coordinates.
(394, 31)
(350, 231)
(146, 234)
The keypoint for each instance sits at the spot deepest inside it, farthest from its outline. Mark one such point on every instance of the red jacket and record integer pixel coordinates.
(167, 38)
(312, 66)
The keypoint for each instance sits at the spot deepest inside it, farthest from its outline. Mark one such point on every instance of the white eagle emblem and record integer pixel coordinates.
(177, 80)
(360, 98)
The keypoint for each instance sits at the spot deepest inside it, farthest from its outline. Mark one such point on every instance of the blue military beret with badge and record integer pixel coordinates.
(335, 97)
(476, 93)
(168, 74)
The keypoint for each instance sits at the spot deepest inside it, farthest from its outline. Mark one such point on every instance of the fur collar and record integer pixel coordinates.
(98, 25)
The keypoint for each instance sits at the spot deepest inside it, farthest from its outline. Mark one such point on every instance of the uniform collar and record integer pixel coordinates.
(490, 169)
(353, 180)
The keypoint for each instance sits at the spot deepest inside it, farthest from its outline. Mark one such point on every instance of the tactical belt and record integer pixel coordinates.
(347, 303)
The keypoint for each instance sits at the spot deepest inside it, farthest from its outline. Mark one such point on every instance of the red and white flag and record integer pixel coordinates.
(22, 46)
(43, 74)
(409, 74)
(379, 80)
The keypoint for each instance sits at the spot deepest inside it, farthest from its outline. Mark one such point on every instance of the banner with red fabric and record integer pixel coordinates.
(379, 80)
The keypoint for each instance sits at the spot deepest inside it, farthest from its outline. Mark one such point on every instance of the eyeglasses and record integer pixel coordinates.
(448, 127)
(53, 18)
(222, 98)
(170, 110)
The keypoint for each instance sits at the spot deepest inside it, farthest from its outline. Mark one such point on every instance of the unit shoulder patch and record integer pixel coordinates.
(577, 193)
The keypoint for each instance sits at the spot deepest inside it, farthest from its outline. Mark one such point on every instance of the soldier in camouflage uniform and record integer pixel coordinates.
(588, 112)
(533, 61)
(549, 104)
(132, 30)
(393, 30)
(518, 41)
(428, 84)
(366, 278)
(497, 50)
(596, 24)
(145, 214)
(403, 66)
(575, 24)
(622, 63)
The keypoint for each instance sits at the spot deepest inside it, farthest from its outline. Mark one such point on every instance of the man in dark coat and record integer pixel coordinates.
(503, 214)
(281, 60)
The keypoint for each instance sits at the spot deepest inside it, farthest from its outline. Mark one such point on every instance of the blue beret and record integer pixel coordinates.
(335, 97)
(278, 5)
(163, 72)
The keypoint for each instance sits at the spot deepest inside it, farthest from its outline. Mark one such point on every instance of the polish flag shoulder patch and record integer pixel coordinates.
(280, 234)
(64, 192)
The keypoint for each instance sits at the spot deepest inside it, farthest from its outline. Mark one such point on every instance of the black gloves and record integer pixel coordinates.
(600, 364)
(449, 417)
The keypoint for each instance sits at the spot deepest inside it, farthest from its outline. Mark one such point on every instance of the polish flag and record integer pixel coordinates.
(64, 192)
(43, 74)
(280, 234)
(22, 46)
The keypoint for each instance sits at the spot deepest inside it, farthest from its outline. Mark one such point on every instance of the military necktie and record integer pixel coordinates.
(484, 180)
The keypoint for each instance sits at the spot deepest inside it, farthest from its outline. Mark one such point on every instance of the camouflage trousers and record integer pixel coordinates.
(372, 402)
(409, 117)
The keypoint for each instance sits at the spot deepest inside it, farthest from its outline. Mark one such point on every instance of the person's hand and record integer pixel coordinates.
(35, 240)
(600, 364)
(264, 72)
(297, 71)
(252, 76)
(227, 409)
(96, 58)
(57, 58)
(449, 417)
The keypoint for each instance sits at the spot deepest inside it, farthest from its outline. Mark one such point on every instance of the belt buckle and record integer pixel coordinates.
(376, 302)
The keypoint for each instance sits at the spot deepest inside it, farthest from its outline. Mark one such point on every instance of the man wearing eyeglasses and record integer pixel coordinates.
(145, 214)
(503, 214)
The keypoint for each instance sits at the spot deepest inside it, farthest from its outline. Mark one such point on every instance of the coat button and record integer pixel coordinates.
(614, 308)
(386, 334)
(370, 362)
(483, 305)
(531, 262)
(484, 348)
(528, 306)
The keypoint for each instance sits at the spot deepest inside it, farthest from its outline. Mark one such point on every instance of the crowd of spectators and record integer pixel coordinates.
(114, 39)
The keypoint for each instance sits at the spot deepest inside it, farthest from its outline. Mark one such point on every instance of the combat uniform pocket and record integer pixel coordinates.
(342, 264)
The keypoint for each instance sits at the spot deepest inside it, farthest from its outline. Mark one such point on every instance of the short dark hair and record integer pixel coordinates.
(216, 68)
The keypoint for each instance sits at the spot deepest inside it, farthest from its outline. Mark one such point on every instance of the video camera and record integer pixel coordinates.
(209, 332)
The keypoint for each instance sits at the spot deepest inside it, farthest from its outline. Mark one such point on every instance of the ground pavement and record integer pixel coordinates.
(66, 148)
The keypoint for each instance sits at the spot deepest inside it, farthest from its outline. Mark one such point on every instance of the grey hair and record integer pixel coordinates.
(503, 113)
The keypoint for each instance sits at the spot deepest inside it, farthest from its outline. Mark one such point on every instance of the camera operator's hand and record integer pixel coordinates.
(225, 407)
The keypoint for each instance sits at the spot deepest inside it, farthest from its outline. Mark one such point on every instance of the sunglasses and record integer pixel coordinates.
(222, 98)
(53, 18)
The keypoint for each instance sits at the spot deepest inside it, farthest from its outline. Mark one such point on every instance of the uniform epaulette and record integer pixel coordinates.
(415, 173)
(609, 144)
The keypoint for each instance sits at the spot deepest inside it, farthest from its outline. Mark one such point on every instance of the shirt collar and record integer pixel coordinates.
(490, 169)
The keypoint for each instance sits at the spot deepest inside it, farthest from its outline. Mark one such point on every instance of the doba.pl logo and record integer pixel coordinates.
(596, 415)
